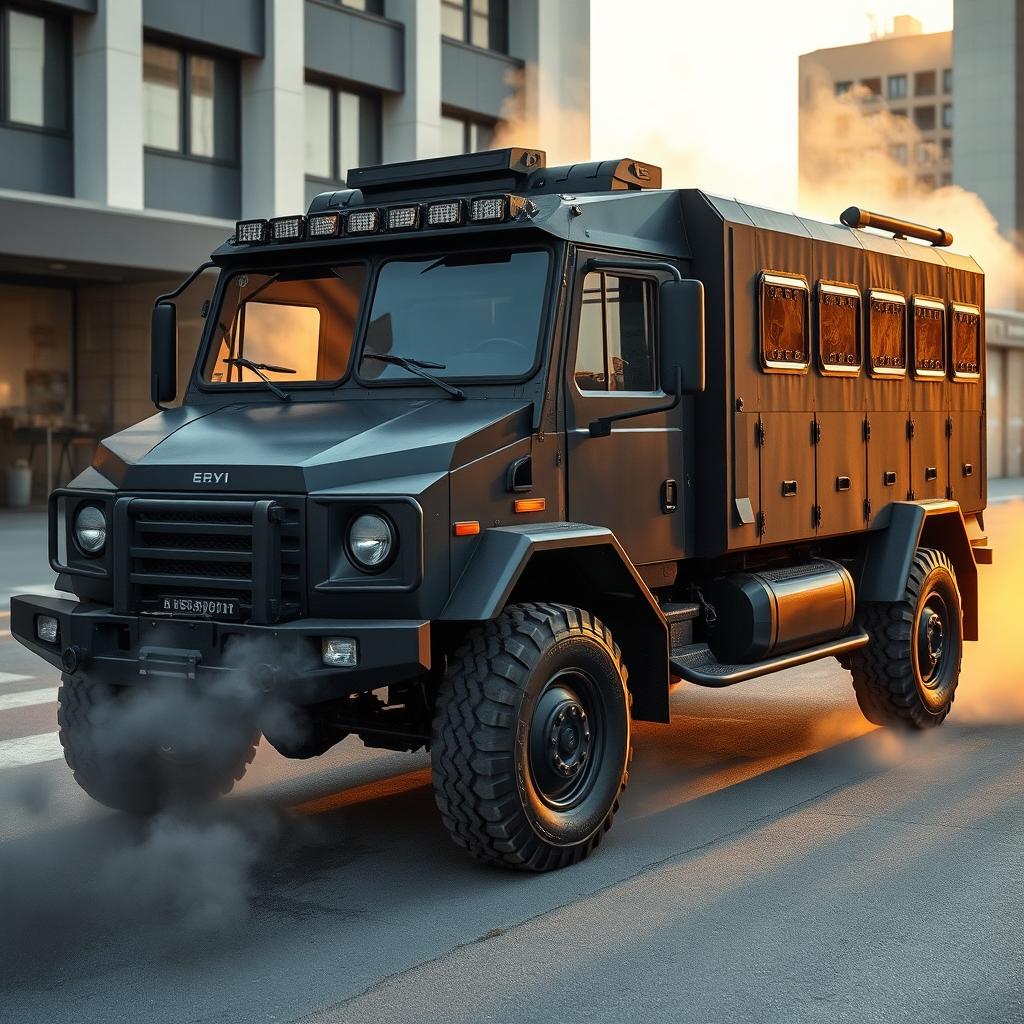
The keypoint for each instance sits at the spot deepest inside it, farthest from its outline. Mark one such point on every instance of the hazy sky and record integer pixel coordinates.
(708, 88)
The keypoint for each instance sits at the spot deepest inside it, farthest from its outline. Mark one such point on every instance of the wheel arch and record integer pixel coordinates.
(579, 565)
(920, 524)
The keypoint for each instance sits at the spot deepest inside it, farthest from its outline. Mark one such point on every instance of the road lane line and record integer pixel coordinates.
(27, 698)
(28, 750)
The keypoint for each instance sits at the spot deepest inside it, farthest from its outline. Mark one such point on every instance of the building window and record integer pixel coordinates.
(369, 6)
(897, 85)
(873, 86)
(947, 115)
(615, 351)
(925, 153)
(924, 118)
(924, 83)
(482, 23)
(842, 88)
(190, 103)
(926, 182)
(947, 81)
(898, 152)
(36, 61)
(947, 148)
(899, 112)
(343, 131)
(460, 135)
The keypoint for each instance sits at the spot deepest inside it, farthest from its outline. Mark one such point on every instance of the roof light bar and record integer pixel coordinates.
(250, 231)
(445, 215)
(363, 222)
(324, 225)
(403, 218)
(287, 229)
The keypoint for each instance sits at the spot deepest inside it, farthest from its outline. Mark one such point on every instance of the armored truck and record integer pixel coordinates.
(485, 457)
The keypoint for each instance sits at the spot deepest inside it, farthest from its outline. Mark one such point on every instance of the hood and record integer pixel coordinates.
(298, 447)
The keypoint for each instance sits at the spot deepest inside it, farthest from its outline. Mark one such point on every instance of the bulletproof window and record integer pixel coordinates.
(839, 345)
(966, 341)
(615, 351)
(784, 323)
(887, 334)
(929, 338)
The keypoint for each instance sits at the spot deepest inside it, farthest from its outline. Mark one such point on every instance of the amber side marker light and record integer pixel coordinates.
(531, 504)
(468, 529)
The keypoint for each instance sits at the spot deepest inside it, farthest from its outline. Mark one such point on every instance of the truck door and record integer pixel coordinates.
(631, 481)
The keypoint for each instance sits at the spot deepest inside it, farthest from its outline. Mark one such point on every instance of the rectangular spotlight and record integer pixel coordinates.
(323, 225)
(363, 222)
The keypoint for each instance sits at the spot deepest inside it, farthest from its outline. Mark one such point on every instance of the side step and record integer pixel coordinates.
(696, 664)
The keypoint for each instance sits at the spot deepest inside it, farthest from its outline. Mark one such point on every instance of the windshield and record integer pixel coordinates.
(466, 316)
(297, 328)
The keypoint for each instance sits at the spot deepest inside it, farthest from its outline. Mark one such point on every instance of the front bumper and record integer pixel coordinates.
(124, 650)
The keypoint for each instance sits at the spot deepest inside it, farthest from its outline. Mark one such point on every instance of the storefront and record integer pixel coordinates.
(1005, 392)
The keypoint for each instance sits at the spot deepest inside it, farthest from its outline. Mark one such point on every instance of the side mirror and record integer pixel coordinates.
(163, 360)
(681, 335)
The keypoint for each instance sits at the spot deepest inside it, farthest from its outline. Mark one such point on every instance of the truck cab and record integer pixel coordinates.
(484, 456)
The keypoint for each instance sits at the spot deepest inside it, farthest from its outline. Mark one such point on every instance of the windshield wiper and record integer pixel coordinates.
(258, 369)
(420, 368)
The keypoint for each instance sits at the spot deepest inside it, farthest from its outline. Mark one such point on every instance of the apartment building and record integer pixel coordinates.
(133, 133)
(904, 73)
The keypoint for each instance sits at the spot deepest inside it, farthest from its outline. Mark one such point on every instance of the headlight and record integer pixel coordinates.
(370, 540)
(90, 529)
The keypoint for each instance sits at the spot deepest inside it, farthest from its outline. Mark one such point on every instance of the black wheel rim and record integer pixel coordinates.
(934, 643)
(566, 739)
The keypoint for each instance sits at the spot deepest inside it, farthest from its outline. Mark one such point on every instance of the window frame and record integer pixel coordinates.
(896, 94)
(886, 372)
(467, 27)
(652, 282)
(5, 98)
(851, 291)
(966, 377)
(928, 302)
(198, 377)
(184, 150)
(335, 88)
(469, 122)
(784, 279)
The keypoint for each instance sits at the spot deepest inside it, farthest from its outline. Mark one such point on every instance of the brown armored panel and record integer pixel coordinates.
(787, 476)
(840, 466)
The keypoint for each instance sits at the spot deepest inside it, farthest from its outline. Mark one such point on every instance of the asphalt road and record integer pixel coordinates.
(776, 859)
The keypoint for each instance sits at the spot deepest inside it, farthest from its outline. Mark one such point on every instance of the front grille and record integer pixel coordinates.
(247, 549)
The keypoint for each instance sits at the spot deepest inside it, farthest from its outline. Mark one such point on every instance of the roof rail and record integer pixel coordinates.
(855, 217)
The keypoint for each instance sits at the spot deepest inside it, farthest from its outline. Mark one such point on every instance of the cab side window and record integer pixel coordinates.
(616, 340)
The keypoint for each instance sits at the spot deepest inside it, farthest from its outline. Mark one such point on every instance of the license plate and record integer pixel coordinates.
(205, 607)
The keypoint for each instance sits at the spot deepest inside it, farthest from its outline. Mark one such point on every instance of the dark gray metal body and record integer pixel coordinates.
(605, 540)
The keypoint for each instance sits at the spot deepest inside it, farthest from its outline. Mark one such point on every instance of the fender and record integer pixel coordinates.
(575, 564)
(908, 526)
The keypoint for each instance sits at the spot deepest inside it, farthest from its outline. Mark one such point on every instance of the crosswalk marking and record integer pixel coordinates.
(28, 750)
(27, 698)
(11, 677)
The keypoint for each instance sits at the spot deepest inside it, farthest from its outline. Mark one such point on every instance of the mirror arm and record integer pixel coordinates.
(602, 426)
(167, 296)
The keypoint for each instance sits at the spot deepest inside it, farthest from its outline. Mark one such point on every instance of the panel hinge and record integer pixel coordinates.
(867, 429)
(762, 524)
(760, 434)
(815, 432)
(949, 426)
(816, 516)
(911, 430)
(867, 510)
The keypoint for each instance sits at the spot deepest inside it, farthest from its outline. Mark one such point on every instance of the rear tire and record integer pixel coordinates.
(531, 738)
(907, 675)
(117, 765)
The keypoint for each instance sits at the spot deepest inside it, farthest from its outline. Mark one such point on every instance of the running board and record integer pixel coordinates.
(696, 664)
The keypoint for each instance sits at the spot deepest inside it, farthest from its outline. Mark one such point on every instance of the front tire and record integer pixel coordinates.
(907, 675)
(109, 735)
(531, 738)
